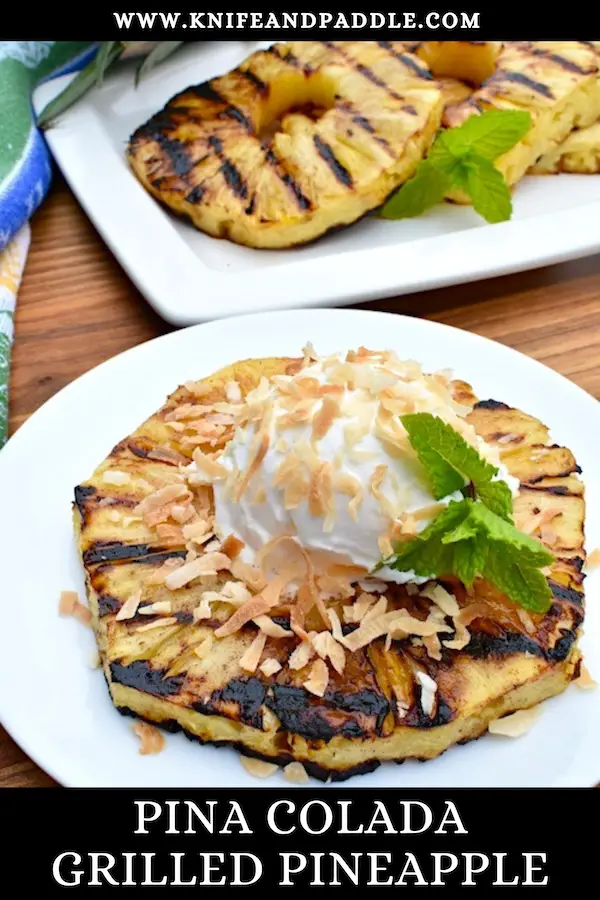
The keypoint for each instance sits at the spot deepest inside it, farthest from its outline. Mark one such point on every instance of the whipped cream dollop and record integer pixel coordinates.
(325, 459)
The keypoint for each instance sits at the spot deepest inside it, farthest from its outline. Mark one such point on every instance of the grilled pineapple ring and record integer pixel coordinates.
(300, 139)
(179, 676)
(558, 82)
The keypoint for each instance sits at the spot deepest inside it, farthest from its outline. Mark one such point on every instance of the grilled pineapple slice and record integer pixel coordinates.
(556, 81)
(579, 153)
(179, 676)
(300, 139)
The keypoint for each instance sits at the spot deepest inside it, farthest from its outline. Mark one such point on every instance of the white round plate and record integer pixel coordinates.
(58, 708)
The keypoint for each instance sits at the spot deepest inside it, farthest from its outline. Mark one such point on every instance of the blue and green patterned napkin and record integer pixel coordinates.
(25, 169)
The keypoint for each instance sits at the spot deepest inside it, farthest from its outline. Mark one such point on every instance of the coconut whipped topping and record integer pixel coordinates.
(323, 457)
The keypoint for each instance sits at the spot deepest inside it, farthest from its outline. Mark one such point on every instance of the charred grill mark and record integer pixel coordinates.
(416, 718)
(364, 71)
(567, 594)
(490, 404)
(363, 123)
(298, 712)
(184, 618)
(410, 109)
(254, 80)
(502, 435)
(574, 470)
(249, 695)
(486, 646)
(287, 179)
(175, 150)
(561, 649)
(116, 552)
(234, 113)
(326, 153)
(141, 676)
(108, 605)
(555, 489)
(206, 91)
(234, 179)
(406, 60)
(368, 703)
(520, 78)
(290, 59)
(196, 194)
(565, 64)
(82, 493)
(232, 175)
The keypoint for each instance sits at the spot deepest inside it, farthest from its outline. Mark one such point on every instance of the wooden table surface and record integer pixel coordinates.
(77, 308)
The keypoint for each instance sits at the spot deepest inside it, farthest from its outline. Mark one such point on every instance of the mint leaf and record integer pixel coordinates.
(488, 135)
(450, 462)
(497, 496)
(488, 190)
(469, 540)
(427, 554)
(427, 187)
(523, 584)
(497, 529)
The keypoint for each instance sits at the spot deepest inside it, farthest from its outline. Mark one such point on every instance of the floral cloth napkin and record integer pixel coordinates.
(25, 169)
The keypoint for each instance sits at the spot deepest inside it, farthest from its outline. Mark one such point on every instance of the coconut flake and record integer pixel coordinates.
(251, 657)
(207, 564)
(271, 628)
(130, 607)
(428, 691)
(585, 680)
(295, 773)
(442, 598)
(318, 678)
(153, 609)
(516, 724)
(151, 739)
(258, 768)
(301, 656)
(270, 667)
(593, 560)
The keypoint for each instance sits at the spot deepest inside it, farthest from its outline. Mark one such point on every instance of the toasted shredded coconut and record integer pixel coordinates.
(593, 559)
(258, 768)
(357, 611)
(116, 477)
(585, 680)
(271, 628)
(328, 648)
(442, 598)
(428, 691)
(130, 607)
(516, 724)
(207, 564)
(161, 497)
(373, 586)
(251, 657)
(67, 603)
(270, 667)
(301, 656)
(318, 678)
(154, 609)
(204, 465)
(70, 605)
(256, 606)
(151, 739)
(158, 577)
(295, 773)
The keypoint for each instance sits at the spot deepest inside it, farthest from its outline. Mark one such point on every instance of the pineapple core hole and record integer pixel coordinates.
(296, 94)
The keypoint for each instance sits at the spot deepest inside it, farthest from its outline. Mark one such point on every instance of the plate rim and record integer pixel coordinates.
(127, 357)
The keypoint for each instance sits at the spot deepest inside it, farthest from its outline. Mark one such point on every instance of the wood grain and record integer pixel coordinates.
(77, 308)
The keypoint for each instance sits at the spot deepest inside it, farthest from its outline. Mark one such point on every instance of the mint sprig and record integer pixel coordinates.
(463, 158)
(474, 537)
(451, 463)
(468, 540)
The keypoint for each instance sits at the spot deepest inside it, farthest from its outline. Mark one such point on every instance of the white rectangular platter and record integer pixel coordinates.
(190, 277)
